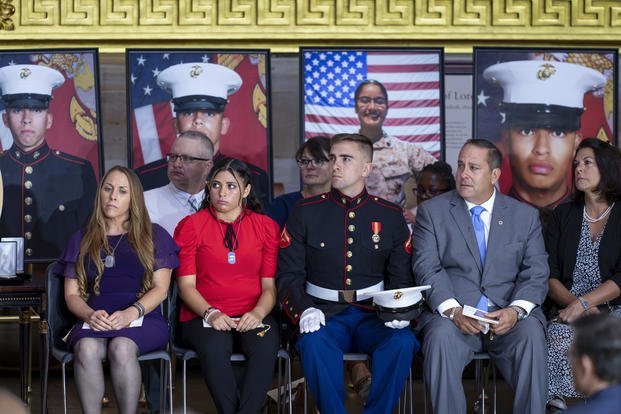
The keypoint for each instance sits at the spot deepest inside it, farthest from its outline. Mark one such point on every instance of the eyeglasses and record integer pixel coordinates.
(365, 100)
(186, 159)
(305, 162)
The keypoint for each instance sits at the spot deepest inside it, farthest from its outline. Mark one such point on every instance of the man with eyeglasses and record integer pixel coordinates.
(395, 161)
(189, 163)
(200, 94)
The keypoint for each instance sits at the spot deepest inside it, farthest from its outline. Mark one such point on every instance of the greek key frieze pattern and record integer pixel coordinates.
(314, 19)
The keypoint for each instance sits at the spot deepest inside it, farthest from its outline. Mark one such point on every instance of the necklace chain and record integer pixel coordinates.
(109, 260)
(233, 245)
(601, 216)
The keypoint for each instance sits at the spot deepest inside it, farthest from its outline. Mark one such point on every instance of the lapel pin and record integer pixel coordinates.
(500, 222)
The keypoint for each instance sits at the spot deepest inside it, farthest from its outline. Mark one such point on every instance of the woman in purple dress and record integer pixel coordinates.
(117, 273)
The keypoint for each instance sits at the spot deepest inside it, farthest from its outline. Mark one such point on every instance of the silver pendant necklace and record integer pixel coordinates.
(231, 258)
(109, 260)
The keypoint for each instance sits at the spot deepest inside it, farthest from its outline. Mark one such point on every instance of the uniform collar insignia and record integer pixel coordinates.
(32, 155)
(349, 202)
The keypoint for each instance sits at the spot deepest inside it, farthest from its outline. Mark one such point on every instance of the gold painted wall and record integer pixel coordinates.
(284, 25)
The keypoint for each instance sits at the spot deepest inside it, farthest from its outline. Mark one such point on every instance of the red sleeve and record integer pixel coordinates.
(270, 247)
(186, 238)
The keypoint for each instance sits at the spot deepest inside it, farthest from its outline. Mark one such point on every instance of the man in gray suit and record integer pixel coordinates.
(478, 247)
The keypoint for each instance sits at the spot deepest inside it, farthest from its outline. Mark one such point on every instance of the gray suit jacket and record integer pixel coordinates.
(446, 255)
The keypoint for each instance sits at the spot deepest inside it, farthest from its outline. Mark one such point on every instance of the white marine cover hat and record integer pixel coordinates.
(542, 93)
(199, 86)
(400, 304)
(28, 86)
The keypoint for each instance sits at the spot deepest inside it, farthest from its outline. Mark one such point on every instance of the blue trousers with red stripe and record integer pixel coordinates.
(357, 330)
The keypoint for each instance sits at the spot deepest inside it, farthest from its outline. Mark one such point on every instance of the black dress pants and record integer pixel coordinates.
(214, 350)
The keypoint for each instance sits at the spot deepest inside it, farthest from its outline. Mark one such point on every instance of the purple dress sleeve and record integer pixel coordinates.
(66, 263)
(165, 249)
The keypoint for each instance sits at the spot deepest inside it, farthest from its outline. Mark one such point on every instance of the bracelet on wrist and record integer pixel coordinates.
(140, 308)
(211, 310)
(584, 303)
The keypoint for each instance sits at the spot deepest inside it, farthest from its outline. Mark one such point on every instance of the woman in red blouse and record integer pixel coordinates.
(226, 281)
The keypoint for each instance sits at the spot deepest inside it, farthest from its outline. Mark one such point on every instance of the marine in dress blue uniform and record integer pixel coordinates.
(49, 193)
(338, 247)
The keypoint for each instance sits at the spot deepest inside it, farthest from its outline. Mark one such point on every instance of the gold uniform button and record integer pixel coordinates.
(295, 316)
(29, 252)
(343, 200)
(28, 185)
(351, 214)
(350, 240)
(28, 170)
(28, 235)
(348, 282)
(61, 207)
(28, 201)
(349, 254)
(351, 227)
(348, 268)
(27, 218)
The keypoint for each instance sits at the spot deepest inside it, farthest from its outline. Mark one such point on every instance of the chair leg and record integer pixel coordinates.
(284, 380)
(290, 382)
(411, 391)
(493, 368)
(280, 397)
(170, 387)
(64, 375)
(45, 375)
(162, 387)
(185, 387)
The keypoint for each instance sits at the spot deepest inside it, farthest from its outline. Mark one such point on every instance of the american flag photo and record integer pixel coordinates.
(412, 79)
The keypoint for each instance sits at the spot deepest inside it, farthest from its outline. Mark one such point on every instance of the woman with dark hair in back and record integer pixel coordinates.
(226, 282)
(316, 174)
(583, 240)
(117, 272)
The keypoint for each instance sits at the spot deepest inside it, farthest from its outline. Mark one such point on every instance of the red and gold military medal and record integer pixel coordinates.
(376, 227)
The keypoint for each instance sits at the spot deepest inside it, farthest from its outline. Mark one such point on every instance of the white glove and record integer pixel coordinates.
(395, 324)
(311, 320)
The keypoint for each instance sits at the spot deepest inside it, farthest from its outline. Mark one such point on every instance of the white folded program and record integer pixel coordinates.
(402, 304)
